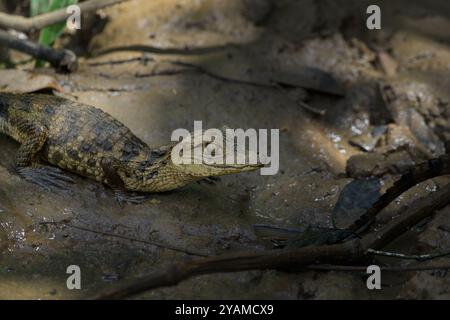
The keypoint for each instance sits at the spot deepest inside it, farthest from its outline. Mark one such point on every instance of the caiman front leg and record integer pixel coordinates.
(27, 166)
(113, 179)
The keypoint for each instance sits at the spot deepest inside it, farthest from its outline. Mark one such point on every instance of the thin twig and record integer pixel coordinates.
(114, 235)
(25, 24)
(160, 73)
(283, 259)
(168, 51)
(428, 267)
(406, 219)
(415, 175)
(205, 71)
(304, 105)
(60, 59)
(271, 84)
(419, 257)
(142, 60)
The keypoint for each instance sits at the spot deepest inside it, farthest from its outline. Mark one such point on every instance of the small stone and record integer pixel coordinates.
(368, 141)
(155, 201)
(110, 277)
(364, 165)
(400, 136)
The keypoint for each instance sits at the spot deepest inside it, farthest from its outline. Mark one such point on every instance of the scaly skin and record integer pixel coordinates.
(89, 142)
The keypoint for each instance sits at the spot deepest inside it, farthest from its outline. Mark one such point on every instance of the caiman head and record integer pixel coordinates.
(193, 159)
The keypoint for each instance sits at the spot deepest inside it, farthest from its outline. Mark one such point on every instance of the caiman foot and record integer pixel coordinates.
(46, 177)
(122, 198)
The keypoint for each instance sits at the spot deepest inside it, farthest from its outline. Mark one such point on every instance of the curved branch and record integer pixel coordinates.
(273, 259)
(285, 259)
(61, 59)
(25, 24)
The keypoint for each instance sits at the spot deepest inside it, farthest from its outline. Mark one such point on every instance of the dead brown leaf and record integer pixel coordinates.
(21, 81)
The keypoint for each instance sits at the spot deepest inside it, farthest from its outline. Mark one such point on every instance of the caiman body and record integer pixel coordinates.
(89, 142)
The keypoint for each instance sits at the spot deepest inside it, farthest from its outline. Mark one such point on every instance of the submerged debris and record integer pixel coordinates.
(354, 200)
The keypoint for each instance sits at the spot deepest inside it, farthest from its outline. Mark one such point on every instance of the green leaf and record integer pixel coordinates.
(39, 6)
(48, 35)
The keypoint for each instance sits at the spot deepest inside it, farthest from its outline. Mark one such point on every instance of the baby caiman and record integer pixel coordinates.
(57, 133)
